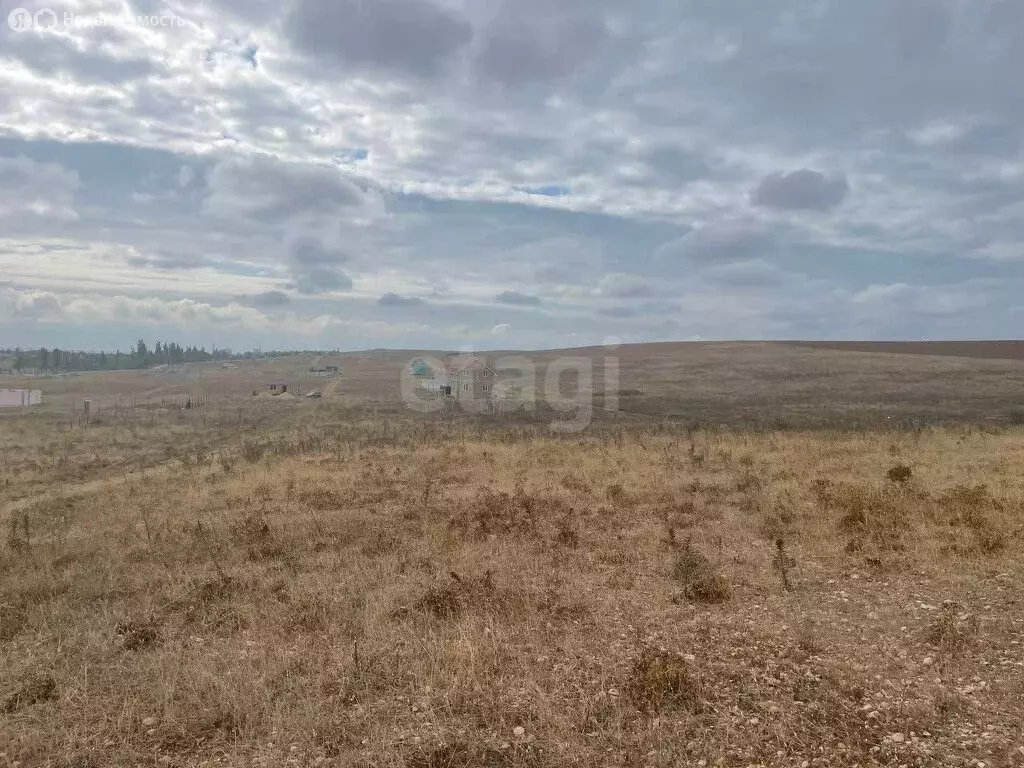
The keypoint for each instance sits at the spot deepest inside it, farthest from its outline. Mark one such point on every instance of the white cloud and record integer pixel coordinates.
(579, 162)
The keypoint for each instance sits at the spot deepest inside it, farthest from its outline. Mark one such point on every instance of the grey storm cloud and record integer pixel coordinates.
(846, 70)
(521, 43)
(410, 37)
(316, 268)
(802, 190)
(314, 280)
(990, 139)
(395, 300)
(533, 47)
(674, 163)
(267, 300)
(310, 252)
(518, 299)
(270, 190)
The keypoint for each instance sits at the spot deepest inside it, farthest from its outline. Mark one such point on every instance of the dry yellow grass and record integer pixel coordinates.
(499, 598)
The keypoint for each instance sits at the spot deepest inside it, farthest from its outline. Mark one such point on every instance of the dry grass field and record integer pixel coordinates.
(741, 384)
(346, 583)
(999, 350)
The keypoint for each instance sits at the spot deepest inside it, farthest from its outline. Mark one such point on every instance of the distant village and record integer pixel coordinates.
(278, 388)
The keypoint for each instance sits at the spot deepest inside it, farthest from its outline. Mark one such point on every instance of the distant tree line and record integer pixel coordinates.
(57, 360)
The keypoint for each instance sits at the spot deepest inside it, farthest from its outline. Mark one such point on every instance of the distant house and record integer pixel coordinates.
(470, 378)
(277, 387)
(326, 370)
(466, 377)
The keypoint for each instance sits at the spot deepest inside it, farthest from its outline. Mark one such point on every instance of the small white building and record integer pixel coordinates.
(19, 398)
(442, 382)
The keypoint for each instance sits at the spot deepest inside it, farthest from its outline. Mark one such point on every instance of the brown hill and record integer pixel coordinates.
(992, 350)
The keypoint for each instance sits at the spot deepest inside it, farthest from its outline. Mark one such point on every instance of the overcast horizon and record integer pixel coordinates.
(446, 174)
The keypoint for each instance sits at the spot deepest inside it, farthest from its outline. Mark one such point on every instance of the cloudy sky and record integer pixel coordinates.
(509, 173)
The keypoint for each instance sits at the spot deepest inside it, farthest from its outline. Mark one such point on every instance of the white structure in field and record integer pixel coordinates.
(466, 377)
(18, 398)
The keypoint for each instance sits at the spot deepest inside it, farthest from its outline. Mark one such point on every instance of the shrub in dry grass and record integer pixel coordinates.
(481, 595)
(263, 492)
(881, 516)
(460, 595)
(783, 564)
(807, 639)
(749, 482)
(136, 635)
(968, 496)
(321, 498)
(13, 619)
(710, 589)
(973, 508)
(690, 564)
(700, 582)
(459, 754)
(253, 533)
(35, 689)
(308, 613)
(19, 533)
(204, 724)
(575, 483)
(492, 513)
(899, 473)
(208, 605)
(252, 451)
(661, 680)
(952, 632)
(214, 590)
(381, 543)
(567, 535)
(696, 458)
(779, 524)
